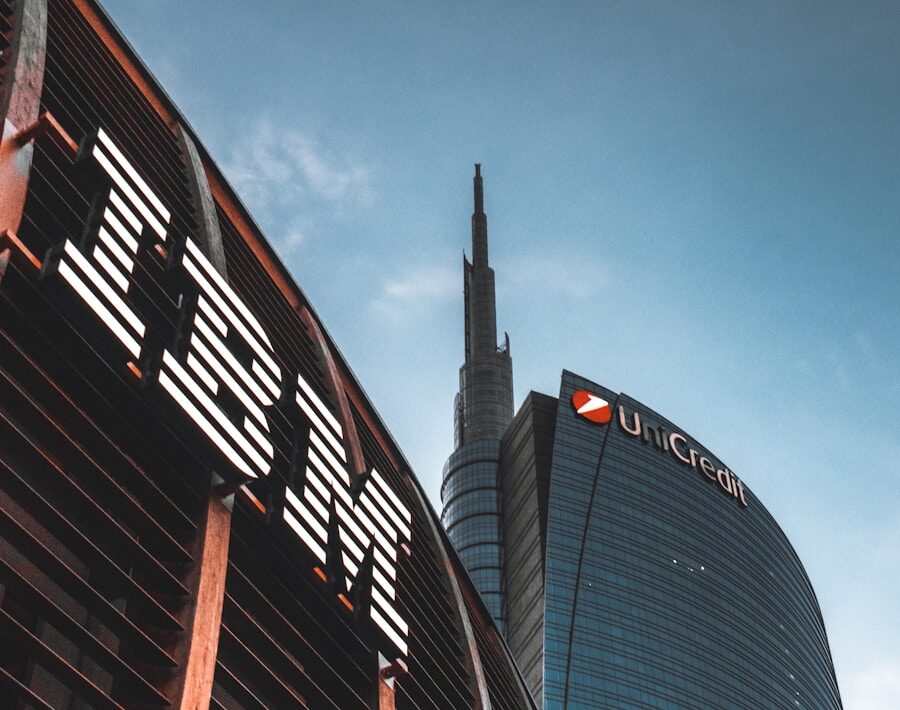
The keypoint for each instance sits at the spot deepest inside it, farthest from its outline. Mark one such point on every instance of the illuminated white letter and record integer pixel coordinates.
(100, 268)
(377, 517)
(208, 371)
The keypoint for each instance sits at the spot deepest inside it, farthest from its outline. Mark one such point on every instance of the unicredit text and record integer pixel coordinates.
(678, 446)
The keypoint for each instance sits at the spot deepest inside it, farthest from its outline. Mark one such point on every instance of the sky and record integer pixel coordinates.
(695, 203)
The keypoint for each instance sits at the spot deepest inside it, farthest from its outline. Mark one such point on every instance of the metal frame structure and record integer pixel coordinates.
(138, 566)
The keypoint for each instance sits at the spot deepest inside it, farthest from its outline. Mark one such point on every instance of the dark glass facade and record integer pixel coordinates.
(526, 455)
(638, 571)
(664, 591)
(471, 516)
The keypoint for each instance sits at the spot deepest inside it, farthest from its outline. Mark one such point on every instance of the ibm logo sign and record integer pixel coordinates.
(220, 362)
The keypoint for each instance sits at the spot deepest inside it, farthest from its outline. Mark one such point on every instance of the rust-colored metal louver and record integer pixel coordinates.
(107, 491)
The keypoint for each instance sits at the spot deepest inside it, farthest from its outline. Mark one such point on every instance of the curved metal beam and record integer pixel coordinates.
(482, 699)
(336, 382)
(194, 688)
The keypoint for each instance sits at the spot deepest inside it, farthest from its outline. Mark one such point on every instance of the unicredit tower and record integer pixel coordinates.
(632, 568)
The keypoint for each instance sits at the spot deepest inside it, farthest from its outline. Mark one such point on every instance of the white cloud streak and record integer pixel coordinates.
(336, 179)
(574, 277)
(402, 299)
(874, 688)
(287, 176)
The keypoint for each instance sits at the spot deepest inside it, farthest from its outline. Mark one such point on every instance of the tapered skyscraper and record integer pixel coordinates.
(484, 406)
(626, 565)
(483, 410)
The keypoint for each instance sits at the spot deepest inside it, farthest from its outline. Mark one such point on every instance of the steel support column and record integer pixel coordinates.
(20, 107)
(202, 629)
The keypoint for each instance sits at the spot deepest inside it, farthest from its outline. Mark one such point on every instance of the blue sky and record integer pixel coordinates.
(695, 203)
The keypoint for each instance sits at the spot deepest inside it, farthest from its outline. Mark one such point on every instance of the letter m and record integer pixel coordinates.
(354, 529)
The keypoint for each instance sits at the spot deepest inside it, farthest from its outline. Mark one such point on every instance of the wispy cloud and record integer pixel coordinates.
(427, 284)
(874, 688)
(295, 234)
(403, 298)
(336, 178)
(840, 370)
(287, 176)
(409, 296)
(861, 358)
(863, 634)
(575, 277)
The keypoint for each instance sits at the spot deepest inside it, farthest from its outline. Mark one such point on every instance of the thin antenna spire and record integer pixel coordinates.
(479, 190)
(479, 223)
(486, 397)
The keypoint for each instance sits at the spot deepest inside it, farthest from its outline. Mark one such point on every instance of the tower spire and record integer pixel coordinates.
(479, 222)
(485, 404)
(483, 410)
(479, 190)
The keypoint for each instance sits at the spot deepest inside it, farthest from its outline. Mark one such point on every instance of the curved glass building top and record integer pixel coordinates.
(471, 516)
(663, 589)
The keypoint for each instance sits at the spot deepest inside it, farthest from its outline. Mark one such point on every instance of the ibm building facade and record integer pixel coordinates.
(199, 507)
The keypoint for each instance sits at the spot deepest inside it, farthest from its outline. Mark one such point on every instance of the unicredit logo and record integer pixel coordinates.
(592, 407)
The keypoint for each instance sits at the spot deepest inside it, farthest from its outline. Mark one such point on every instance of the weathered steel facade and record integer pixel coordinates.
(198, 504)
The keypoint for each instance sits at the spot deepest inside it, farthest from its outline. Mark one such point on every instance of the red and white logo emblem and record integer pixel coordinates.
(592, 407)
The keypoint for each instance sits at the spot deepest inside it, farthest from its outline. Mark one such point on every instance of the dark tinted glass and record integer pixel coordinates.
(663, 591)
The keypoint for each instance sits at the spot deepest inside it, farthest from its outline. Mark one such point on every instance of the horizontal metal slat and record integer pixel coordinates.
(123, 502)
(275, 602)
(272, 682)
(29, 696)
(20, 637)
(81, 591)
(79, 420)
(75, 540)
(289, 662)
(70, 491)
(230, 682)
(78, 635)
(104, 94)
(292, 639)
